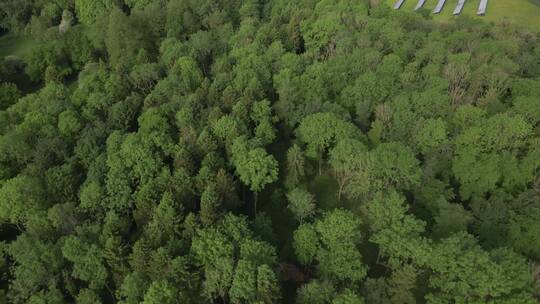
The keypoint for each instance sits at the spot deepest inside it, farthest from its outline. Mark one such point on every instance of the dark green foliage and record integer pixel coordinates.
(9, 94)
(392, 159)
(89, 11)
(332, 242)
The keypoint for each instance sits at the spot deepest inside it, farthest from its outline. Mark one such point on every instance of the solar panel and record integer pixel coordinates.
(398, 4)
(482, 8)
(419, 4)
(459, 7)
(439, 7)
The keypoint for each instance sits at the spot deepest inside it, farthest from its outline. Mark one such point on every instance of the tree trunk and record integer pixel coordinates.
(256, 195)
(111, 293)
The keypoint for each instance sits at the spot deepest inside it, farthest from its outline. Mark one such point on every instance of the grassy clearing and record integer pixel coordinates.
(524, 13)
(15, 45)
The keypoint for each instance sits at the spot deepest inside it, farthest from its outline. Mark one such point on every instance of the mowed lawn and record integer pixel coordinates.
(522, 12)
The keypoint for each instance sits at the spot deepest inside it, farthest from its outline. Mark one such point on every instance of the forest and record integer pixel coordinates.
(266, 151)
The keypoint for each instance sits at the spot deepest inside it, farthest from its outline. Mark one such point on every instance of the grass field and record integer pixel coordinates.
(521, 12)
(14, 45)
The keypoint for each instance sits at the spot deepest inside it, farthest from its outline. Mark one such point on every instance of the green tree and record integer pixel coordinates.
(210, 203)
(349, 161)
(235, 265)
(161, 292)
(295, 166)
(320, 131)
(306, 243)
(432, 135)
(89, 11)
(255, 167)
(486, 154)
(87, 296)
(395, 165)
(347, 297)
(332, 242)
(499, 275)
(398, 234)
(69, 123)
(244, 287)
(36, 262)
(315, 292)
(87, 262)
(9, 94)
(301, 204)
(19, 197)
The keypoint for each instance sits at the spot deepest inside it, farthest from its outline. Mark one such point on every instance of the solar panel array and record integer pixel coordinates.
(440, 5)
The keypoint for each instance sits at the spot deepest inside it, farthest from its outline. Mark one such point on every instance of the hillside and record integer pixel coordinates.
(525, 13)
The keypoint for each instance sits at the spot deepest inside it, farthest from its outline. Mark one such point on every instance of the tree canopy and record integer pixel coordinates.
(266, 151)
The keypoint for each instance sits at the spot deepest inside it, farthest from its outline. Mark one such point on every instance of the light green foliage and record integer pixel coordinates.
(301, 204)
(132, 288)
(87, 262)
(154, 129)
(254, 284)
(188, 73)
(88, 11)
(306, 243)
(164, 224)
(351, 166)
(9, 94)
(135, 135)
(91, 195)
(485, 150)
(529, 108)
(69, 123)
(395, 165)
(161, 292)
(468, 116)
(498, 275)
(321, 131)
(398, 234)
(87, 296)
(347, 297)
(401, 285)
(316, 293)
(432, 135)
(52, 296)
(139, 157)
(332, 242)
(210, 203)
(48, 61)
(268, 288)
(36, 262)
(19, 197)
(256, 169)
(235, 264)
(320, 34)
(138, 4)
(226, 128)
(295, 166)
(244, 283)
